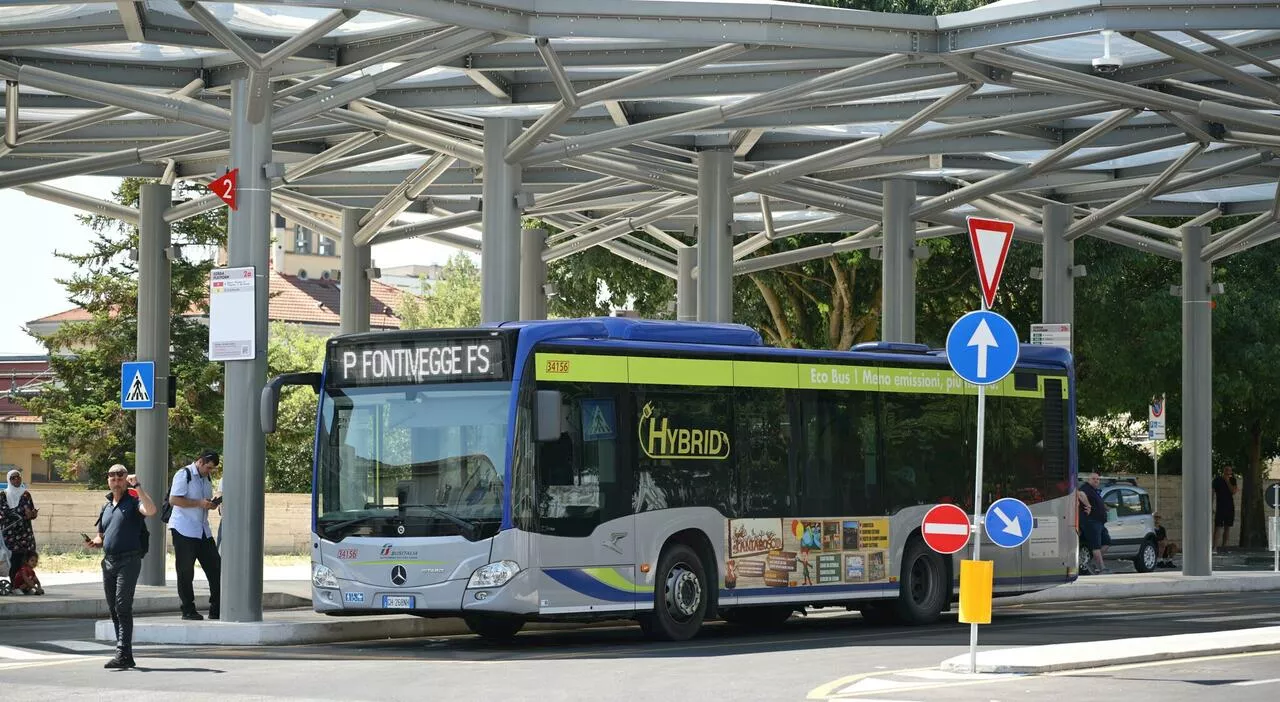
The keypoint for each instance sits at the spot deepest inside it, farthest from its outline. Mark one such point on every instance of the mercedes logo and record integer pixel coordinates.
(399, 575)
(400, 529)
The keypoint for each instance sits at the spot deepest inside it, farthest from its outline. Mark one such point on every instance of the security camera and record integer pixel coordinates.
(1106, 64)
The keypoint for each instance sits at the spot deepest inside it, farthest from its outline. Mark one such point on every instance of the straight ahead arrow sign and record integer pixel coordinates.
(983, 339)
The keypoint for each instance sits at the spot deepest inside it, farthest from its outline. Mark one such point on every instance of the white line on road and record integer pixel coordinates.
(22, 654)
(1216, 620)
(1250, 683)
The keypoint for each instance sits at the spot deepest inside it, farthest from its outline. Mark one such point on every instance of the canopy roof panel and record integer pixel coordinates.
(1167, 108)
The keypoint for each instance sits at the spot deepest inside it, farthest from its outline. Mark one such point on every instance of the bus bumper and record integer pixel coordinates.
(449, 598)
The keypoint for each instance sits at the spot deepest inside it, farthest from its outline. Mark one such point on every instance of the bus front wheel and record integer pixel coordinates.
(679, 596)
(925, 591)
(493, 628)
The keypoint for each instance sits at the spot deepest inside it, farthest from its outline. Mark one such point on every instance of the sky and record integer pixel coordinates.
(35, 229)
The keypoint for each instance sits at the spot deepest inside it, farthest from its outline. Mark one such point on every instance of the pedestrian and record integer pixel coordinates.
(17, 511)
(1165, 549)
(191, 496)
(1093, 521)
(26, 580)
(1224, 505)
(120, 529)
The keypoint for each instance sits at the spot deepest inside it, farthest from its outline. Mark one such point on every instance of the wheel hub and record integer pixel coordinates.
(684, 592)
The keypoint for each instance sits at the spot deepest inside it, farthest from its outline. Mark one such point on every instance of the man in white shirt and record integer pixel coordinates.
(192, 497)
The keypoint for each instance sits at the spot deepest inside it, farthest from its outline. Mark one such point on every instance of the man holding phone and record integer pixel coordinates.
(120, 526)
(192, 497)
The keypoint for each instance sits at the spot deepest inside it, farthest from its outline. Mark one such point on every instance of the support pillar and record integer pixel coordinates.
(897, 269)
(1057, 297)
(500, 240)
(152, 443)
(686, 284)
(1197, 404)
(715, 240)
(353, 310)
(533, 274)
(243, 454)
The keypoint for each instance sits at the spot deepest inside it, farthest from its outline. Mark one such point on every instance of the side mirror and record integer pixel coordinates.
(546, 416)
(269, 403)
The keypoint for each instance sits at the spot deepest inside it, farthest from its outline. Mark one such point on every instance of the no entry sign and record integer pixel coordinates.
(945, 528)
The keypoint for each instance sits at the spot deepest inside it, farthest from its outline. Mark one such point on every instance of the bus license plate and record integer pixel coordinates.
(397, 601)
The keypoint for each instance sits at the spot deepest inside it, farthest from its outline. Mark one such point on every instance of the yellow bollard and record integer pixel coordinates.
(976, 579)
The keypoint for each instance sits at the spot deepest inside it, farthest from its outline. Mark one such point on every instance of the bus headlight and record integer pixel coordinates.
(322, 576)
(494, 574)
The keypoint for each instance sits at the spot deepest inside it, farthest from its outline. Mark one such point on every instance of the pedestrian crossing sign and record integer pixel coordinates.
(598, 420)
(138, 385)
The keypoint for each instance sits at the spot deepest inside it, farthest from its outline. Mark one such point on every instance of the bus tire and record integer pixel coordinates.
(758, 617)
(491, 628)
(680, 596)
(924, 592)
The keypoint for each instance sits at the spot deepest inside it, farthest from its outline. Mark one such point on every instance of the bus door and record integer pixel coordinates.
(586, 545)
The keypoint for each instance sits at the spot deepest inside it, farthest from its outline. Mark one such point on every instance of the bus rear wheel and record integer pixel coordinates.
(924, 592)
(680, 596)
(493, 628)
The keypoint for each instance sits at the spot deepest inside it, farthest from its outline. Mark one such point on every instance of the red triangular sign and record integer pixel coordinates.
(225, 187)
(990, 239)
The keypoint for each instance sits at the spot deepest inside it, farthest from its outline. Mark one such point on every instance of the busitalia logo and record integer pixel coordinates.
(659, 439)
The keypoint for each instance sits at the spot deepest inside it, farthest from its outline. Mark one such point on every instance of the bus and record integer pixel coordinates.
(666, 472)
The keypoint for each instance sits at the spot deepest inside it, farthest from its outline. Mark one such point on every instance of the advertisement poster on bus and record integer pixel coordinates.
(802, 552)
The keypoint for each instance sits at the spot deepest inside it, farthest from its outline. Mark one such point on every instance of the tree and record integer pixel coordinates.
(451, 302)
(909, 7)
(84, 429)
(291, 349)
(592, 282)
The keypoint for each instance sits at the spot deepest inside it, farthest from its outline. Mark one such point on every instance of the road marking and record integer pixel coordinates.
(1250, 683)
(1217, 620)
(22, 654)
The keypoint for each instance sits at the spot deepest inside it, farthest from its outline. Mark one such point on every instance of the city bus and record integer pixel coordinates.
(666, 472)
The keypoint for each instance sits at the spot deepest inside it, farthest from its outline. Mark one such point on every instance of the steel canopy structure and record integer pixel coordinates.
(681, 136)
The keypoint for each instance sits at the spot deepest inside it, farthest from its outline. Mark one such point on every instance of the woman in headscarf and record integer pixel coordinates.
(17, 509)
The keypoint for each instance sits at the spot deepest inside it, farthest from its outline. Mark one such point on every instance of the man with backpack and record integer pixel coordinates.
(121, 537)
(190, 499)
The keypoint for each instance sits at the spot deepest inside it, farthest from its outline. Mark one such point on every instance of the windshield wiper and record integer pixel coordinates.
(470, 527)
(339, 526)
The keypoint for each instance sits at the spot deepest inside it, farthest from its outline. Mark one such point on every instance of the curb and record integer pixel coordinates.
(1187, 586)
(84, 608)
(1094, 654)
(322, 629)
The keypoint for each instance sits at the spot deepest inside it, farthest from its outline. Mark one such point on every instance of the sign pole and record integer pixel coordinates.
(977, 516)
(1275, 535)
(1155, 464)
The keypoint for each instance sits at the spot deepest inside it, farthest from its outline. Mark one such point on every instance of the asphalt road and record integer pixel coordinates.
(822, 656)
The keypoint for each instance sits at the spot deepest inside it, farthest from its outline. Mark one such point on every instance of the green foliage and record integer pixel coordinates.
(593, 282)
(452, 302)
(291, 349)
(910, 7)
(84, 429)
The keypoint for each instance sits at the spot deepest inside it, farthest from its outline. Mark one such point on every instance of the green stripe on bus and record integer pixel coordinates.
(680, 371)
(763, 374)
(614, 579)
(770, 374)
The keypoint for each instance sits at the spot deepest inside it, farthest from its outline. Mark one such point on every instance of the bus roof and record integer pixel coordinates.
(730, 339)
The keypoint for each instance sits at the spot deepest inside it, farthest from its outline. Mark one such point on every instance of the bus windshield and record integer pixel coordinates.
(412, 460)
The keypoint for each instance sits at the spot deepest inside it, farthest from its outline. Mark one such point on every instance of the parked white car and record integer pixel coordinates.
(1130, 523)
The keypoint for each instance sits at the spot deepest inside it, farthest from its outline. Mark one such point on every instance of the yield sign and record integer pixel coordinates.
(990, 239)
(225, 187)
(945, 528)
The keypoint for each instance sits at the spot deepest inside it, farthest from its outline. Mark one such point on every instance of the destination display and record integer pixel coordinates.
(410, 361)
(798, 552)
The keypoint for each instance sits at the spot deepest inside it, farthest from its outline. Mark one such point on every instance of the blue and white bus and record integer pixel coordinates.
(668, 472)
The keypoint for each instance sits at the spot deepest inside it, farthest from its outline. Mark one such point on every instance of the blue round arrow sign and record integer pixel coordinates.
(1008, 522)
(982, 347)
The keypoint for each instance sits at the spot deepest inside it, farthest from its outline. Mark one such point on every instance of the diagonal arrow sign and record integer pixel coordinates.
(1011, 526)
(983, 339)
